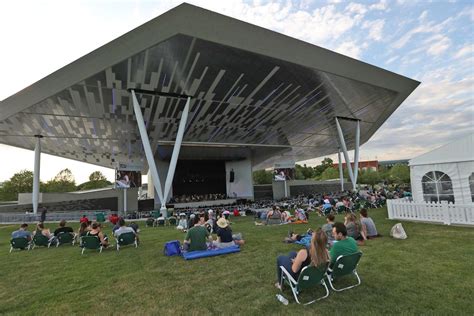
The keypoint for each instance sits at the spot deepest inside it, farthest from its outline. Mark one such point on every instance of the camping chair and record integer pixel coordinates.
(40, 240)
(172, 221)
(20, 243)
(150, 222)
(91, 242)
(341, 209)
(160, 221)
(310, 277)
(126, 239)
(344, 265)
(65, 238)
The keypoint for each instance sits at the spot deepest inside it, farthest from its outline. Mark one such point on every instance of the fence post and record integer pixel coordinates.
(445, 212)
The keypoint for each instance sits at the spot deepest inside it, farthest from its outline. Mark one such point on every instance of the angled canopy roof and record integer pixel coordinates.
(458, 151)
(255, 93)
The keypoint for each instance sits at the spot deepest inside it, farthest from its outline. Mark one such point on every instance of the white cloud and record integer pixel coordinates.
(375, 29)
(466, 50)
(423, 16)
(437, 44)
(356, 8)
(382, 5)
(351, 49)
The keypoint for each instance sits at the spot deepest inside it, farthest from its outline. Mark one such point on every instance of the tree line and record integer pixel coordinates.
(398, 174)
(22, 182)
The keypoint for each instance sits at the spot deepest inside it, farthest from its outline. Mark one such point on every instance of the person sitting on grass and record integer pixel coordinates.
(343, 244)
(352, 227)
(96, 231)
(124, 229)
(327, 228)
(317, 255)
(183, 222)
(274, 216)
(196, 236)
(368, 226)
(22, 232)
(224, 235)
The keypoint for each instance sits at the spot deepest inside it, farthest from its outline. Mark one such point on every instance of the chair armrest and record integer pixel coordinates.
(287, 274)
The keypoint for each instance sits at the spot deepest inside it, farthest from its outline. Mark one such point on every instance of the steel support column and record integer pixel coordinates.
(36, 174)
(356, 152)
(346, 155)
(146, 147)
(341, 174)
(175, 155)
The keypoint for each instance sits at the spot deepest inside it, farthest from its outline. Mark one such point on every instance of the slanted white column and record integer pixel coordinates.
(146, 146)
(346, 155)
(174, 156)
(356, 152)
(36, 174)
(341, 174)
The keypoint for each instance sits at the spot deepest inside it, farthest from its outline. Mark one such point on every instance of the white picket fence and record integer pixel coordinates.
(444, 212)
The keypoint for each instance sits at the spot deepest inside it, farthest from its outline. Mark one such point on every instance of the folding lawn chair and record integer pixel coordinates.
(40, 240)
(65, 238)
(150, 222)
(310, 277)
(341, 209)
(126, 239)
(20, 243)
(172, 221)
(91, 242)
(344, 265)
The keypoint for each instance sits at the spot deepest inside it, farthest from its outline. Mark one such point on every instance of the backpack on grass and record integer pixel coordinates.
(172, 248)
(398, 232)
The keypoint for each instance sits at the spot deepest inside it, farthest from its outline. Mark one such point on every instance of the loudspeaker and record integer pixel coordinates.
(231, 176)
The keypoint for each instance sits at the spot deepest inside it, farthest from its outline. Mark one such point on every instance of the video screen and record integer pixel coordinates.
(283, 174)
(127, 179)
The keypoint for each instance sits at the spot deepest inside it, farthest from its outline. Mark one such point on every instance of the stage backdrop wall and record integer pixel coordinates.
(242, 187)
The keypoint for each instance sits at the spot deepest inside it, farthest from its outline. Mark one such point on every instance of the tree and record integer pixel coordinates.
(21, 182)
(62, 182)
(318, 170)
(330, 173)
(262, 177)
(400, 174)
(97, 180)
(370, 177)
(97, 176)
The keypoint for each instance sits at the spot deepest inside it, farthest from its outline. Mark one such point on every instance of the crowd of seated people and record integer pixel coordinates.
(197, 198)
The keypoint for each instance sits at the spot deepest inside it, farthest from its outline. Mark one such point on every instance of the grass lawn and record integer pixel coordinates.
(429, 273)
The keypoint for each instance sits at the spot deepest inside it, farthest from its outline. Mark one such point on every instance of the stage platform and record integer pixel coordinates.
(200, 204)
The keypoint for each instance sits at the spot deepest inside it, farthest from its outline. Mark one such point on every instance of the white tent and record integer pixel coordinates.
(445, 173)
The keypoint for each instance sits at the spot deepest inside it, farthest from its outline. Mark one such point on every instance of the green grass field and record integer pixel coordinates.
(429, 273)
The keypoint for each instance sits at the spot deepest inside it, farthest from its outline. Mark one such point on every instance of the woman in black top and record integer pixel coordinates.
(316, 255)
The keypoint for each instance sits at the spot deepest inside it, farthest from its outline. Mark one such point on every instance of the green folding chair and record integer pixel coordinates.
(126, 239)
(150, 222)
(40, 240)
(155, 215)
(341, 209)
(65, 238)
(20, 243)
(309, 278)
(91, 243)
(172, 221)
(344, 265)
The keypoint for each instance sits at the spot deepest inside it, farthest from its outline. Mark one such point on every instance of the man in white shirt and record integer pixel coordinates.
(123, 229)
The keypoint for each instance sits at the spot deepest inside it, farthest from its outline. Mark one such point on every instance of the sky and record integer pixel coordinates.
(429, 41)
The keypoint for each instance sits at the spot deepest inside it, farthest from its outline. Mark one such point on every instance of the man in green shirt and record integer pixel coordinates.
(344, 245)
(197, 235)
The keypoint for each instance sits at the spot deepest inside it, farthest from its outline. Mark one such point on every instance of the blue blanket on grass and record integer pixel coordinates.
(209, 253)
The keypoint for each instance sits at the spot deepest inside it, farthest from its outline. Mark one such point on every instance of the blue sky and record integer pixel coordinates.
(430, 41)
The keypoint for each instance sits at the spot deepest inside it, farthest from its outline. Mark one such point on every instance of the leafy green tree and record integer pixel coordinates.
(318, 170)
(97, 176)
(400, 174)
(330, 173)
(369, 176)
(63, 182)
(97, 180)
(262, 177)
(21, 182)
